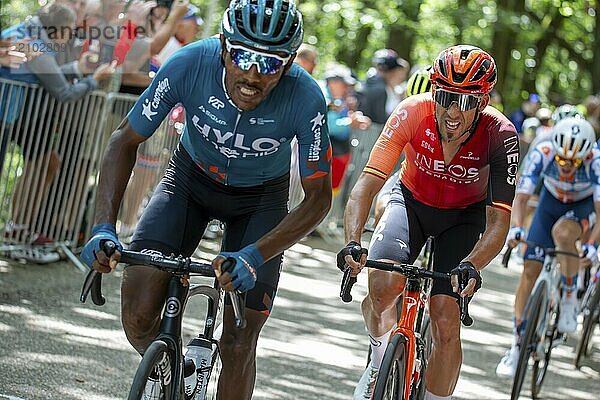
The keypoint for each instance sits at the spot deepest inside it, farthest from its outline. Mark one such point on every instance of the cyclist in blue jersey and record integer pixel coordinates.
(570, 166)
(244, 101)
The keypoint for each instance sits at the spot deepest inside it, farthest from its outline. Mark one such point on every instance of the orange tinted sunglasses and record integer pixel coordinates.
(565, 161)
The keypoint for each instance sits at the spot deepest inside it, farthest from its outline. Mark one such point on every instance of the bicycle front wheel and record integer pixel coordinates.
(540, 365)
(529, 338)
(154, 374)
(391, 380)
(591, 312)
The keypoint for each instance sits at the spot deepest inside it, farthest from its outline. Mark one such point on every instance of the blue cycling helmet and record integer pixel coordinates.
(272, 25)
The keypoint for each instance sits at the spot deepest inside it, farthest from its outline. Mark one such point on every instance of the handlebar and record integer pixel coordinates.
(174, 265)
(410, 271)
(550, 251)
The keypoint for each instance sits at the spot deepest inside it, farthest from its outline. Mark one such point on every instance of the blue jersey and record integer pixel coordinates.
(234, 147)
(584, 183)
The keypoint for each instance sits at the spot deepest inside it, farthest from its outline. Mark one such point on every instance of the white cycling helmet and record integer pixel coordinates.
(565, 111)
(573, 138)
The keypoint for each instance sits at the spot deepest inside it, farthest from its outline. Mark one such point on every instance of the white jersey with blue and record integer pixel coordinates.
(234, 147)
(584, 183)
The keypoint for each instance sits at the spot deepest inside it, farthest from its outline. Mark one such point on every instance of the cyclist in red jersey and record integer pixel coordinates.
(457, 184)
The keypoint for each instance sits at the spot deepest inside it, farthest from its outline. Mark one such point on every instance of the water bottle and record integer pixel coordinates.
(200, 350)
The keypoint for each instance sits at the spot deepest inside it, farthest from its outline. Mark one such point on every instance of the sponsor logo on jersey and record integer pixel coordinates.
(260, 121)
(427, 145)
(212, 116)
(216, 103)
(470, 156)
(453, 172)
(511, 145)
(236, 145)
(314, 152)
(429, 134)
(149, 107)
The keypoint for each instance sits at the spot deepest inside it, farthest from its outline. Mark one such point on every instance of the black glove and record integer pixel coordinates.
(352, 248)
(466, 268)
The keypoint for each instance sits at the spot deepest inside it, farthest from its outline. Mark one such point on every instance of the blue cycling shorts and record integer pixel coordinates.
(548, 211)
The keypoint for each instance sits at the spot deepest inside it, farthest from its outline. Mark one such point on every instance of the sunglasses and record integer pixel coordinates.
(465, 102)
(243, 58)
(567, 162)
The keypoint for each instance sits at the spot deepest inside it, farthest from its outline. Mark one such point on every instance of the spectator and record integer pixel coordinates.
(383, 91)
(186, 32)
(44, 70)
(528, 109)
(592, 112)
(341, 119)
(307, 57)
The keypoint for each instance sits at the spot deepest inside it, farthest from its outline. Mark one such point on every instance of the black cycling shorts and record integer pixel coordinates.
(407, 223)
(186, 199)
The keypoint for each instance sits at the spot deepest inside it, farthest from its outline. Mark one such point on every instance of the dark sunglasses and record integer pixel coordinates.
(565, 161)
(465, 102)
(267, 64)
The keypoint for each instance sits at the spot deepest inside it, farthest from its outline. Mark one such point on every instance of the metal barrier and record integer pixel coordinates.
(49, 160)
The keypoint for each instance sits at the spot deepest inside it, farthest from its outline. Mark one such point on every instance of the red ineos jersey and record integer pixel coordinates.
(486, 162)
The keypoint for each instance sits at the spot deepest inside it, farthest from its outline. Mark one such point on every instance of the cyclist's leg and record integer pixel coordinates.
(172, 224)
(567, 230)
(238, 346)
(450, 247)
(397, 238)
(540, 232)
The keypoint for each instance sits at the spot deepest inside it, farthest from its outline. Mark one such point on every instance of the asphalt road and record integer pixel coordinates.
(313, 347)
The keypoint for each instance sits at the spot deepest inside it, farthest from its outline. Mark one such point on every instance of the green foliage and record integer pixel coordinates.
(546, 46)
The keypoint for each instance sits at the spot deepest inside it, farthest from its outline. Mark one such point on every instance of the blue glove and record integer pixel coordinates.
(514, 232)
(592, 253)
(100, 233)
(243, 275)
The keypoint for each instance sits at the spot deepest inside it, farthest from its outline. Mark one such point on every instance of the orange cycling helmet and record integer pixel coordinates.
(464, 69)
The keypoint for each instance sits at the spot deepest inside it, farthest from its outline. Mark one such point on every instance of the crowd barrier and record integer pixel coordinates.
(49, 160)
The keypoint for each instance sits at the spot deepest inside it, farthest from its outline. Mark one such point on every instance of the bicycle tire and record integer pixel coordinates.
(540, 366)
(590, 310)
(390, 381)
(150, 361)
(418, 392)
(528, 340)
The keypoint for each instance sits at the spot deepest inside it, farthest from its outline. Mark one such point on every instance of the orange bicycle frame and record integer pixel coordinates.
(411, 303)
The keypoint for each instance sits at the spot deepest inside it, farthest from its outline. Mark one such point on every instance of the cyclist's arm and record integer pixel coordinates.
(359, 205)
(492, 240)
(117, 164)
(503, 166)
(143, 119)
(519, 209)
(384, 156)
(595, 234)
(301, 220)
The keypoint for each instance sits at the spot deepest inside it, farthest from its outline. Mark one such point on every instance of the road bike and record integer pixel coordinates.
(538, 333)
(164, 360)
(590, 309)
(402, 371)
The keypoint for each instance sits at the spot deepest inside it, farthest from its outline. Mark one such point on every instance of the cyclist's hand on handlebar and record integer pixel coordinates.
(466, 269)
(354, 256)
(589, 254)
(94, 256)
(515, 234)
(243, 275)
